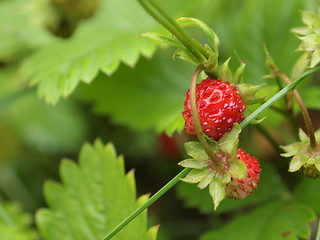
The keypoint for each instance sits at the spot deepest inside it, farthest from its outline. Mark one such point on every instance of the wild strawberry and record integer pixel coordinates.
(219, 107)
(241, 187)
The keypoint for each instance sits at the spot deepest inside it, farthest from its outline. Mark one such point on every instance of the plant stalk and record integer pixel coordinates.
(147, 204)
(304, 111)
(159, 15)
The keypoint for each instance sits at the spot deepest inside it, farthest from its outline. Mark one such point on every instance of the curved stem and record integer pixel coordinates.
(147, 204)
(195, 117)
(304, 111)
(159, 15)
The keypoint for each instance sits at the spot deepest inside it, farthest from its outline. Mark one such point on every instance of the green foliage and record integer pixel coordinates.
(15, 224)
(308, 193)
(17, 31)
(93, 198)
(276, 220)
(140, 98)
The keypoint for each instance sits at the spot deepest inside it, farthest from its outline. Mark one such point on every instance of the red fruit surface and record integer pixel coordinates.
(242, 187)
(219, 107)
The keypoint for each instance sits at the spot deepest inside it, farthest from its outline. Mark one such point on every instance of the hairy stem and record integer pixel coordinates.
(304, 111)
(165, 20)
(195, 117)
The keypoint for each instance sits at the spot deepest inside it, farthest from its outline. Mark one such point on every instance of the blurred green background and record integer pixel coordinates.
(97, 80)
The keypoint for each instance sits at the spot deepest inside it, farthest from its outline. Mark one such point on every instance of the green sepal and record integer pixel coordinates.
(247, 91)
(309, 42)
(217, 192)
(311, 19)
(303, 136)
(229, 141)
(269, 61)
(210, 66)
(301, 30)
(212, 36)
(185, 55)
(238, 169)
(206, 181)
(161, 39)
(192, 163)
(196, 151)
(315, 58)
(225, 72)
(296, 163)
(195, 176)
(238, 76)
(225, 178)
(291, 149)
(300, 65)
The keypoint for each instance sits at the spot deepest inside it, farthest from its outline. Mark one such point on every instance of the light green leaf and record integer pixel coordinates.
(296, 162)
(206, 181)
(213, 38)
(196, 175)
(17, 31)
(150, 96)
(217, 192)
(161, 39)
(279, 220)
(238, 169)
(229, 141)
(196, 150)
(15, 224)
(225, 72)
(308, 193)
(94, 197)
(192, 163)
(44, 127)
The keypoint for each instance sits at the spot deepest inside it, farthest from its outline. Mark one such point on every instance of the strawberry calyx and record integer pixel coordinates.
(217, 173)
(304, 158)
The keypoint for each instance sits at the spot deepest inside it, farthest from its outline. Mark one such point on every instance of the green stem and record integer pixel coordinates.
(195, 117)
(304, 112)
(5, 216)
(276, 97)
(185, 171)
(318, 231)
(165, 20)
(151, 200)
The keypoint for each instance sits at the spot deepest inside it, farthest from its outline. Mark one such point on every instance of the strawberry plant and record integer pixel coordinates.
(217, 119)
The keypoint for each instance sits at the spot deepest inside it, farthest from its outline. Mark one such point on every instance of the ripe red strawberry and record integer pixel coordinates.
(242, 187)
(219, 107)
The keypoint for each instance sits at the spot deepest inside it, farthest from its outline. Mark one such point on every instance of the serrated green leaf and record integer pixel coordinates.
(152, 94)
(281, 220)
(94, 197)
(213, 38)
(15, 224)
(196, 150)
(217, 192)
(99, 44)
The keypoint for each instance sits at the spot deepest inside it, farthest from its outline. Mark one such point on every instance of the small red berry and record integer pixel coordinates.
(219, 107)
(242, 187)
